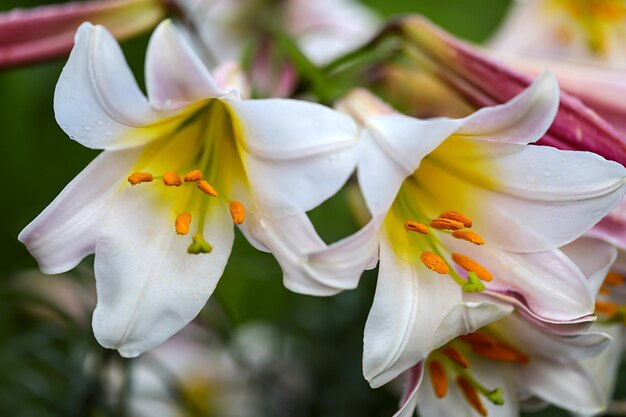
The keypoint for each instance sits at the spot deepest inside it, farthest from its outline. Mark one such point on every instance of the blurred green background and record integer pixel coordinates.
(42, 370)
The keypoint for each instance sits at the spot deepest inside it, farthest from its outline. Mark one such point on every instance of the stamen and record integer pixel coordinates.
(471, 265)
(138, 177)
(183, 220)
(193, 176)
(471, 237)
(413, 226)
(606, 308)
(199, 245)
(478, 339)
(172, 179)
(456, 356)
(614, 279)
(501, 352)
(207, 188)
(446, 224)
(456, 216)
(434, 262)
(237, 212)
(604, 290)
(471, 396)
(438, 379)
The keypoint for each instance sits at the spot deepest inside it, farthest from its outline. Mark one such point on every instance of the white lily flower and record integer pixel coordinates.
(427, 181)
(491, 371)
(584, 31)
(200, 159)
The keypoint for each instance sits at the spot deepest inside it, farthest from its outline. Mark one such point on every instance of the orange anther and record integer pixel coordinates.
(471, 265)
(458, 217)
(207, 188)
(501, 352)
(614, 279)
(604, 290)
(446, 224)
(413, 226)
(438, 379)
(478, 339)
(434, 262)
(456, 356)
(172, 179)
(471, 396)
(193, 176)
(183, 220)
(138, 177)
(237, 212)
(471, 237)
(606, 308)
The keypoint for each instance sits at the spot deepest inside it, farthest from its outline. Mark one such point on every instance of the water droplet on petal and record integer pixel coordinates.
(263, 224)
(101, 122)
(87, 127)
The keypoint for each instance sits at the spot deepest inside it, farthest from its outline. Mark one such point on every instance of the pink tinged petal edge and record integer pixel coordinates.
(408, 403)
(483, 81)
(32, 35)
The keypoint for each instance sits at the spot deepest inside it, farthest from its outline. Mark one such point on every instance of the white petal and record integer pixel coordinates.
(594, 257)
(564, 383)
(552, 286)
(523, 198)
(66, 231)
(309, 266)
(415, 311)
(296, 154)
(392, 148)
(523, 119)
(174, 73)
(408, 404)
(97, 101)
(148, 286)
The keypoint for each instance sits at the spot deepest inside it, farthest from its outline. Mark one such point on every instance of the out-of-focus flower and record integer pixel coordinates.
(508, 361)
(198, 159)
(427, 182)
(591, 31)
(32, 35)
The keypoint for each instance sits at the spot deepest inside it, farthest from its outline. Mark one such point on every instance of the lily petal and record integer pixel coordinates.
(66, 231)
(408, 403)
(174, 73)
(528, 191)
(544, 378)
(523, 119)
(148, 286)
(392, 148)
(594, 257)
(395, 339)
(296, 154)
(97, 101)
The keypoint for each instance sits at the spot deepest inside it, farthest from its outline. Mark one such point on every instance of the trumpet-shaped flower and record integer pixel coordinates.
(590, 31)
(470, 206)
(510, 361)
(178, 169)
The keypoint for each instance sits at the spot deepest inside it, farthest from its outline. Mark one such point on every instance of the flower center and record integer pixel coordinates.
(196, 159)
(450, 360)
(454, 224)
(609, 307)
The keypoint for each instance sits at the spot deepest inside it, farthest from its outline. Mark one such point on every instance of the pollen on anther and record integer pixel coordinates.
(207, 188)
(614, 279)
(434, 262)
(471, 396)
(237, 212)
(501, 352)
(456, 356)
(413, 226)
(139, 177)
(478, 339)
(183, 220)
(172, 179)
(193, 176)
(438, 379)
(456, 216)
(471, 265)
(446, 224)
(471, 237)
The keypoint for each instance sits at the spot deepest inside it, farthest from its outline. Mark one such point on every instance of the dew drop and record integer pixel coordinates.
(101, 122)
(263, 224)
(547, 173)
(108, 133)
(87, 127)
